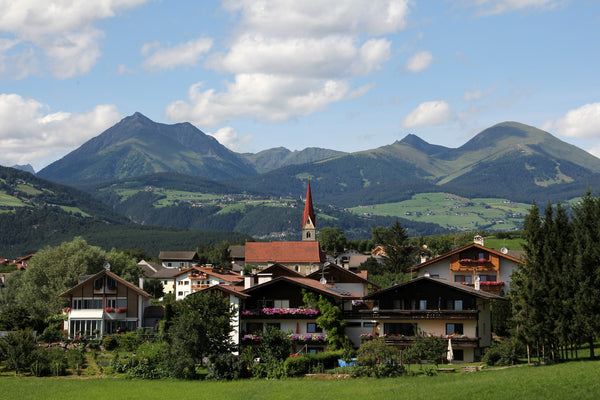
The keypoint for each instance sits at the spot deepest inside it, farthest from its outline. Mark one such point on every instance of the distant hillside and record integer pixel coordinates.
(275, 158)
(508, 160)
(138, 146)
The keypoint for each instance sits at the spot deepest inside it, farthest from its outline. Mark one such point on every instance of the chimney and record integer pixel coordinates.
(478, 239)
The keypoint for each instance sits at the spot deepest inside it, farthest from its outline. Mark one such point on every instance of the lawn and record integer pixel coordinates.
(578, 379)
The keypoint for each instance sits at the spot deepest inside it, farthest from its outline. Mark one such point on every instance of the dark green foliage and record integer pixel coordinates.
(154, 287)
(110, 342)
(39, 362)
(58, 361)
(200, 328)
(75, 360)
(275, 345)
(427, 348)
(507, 352)
(16, 349)
(129, 341)
(307, 363)
(330, 319)
(226, 367)
(14, 316)
(375, 353)
(53, 333)
(332, 240)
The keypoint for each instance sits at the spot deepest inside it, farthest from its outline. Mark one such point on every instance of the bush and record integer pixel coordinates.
(110, 342)
(226, 366)
(129, 341)
(310, 363)
(505, 353)
(16, 349)
(52, 334)
(40, 362)
(75, 360)
(58, 362)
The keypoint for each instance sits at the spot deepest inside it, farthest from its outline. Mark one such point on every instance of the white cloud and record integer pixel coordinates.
(419, 62)
(28, 135)
(428, 113)
(58, 36)
(292, 58)
(583, 122)
(229, 138)
(185, 54)
(492, 7)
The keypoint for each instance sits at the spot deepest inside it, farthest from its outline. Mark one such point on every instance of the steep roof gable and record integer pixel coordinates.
(104, 272)
(465, 248)
(309, 211)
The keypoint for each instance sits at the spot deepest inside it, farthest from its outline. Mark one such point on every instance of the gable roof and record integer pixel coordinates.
(302, 252)
(310, 284)
(281, 270)
(464, 248)
(92, 278)
(178, 255)
(436, 281)
(329, 269)
(226, 288)
(226, 275)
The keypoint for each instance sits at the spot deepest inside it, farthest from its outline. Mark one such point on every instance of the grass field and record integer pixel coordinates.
(454, 212)
(578, 379)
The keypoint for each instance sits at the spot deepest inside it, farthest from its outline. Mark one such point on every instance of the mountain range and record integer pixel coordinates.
(139, 168)
(509, 160)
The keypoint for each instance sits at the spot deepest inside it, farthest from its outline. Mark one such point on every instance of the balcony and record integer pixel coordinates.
(418, 314)
(404, 340)
(285, 313)
(199, 286)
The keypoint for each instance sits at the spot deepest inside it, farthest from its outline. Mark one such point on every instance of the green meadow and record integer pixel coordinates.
(577, 379)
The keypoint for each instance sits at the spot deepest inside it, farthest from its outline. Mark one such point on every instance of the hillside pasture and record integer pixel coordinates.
(454, 212)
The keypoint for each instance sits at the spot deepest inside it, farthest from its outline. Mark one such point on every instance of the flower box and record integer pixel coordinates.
(109, 309)
(281, 311)
(121, 310)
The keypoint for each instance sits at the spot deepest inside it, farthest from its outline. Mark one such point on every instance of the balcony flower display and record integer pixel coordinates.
(312, 338)
(109, 309)
(492, 283)
(281, 311)
(121, 310)
(250, 339)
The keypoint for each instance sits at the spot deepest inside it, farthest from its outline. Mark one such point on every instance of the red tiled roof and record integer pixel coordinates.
(284, 252)
(228, 276)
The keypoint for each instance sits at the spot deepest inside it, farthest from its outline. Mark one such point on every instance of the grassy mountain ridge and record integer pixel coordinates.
(268, 160)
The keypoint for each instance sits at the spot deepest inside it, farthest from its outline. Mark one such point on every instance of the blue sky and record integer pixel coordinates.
(346, 75)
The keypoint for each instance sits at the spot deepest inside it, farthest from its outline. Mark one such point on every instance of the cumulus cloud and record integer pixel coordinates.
(30, 135)
(229, 138)
(58, 36)
(492, 7)
(583, 122)
(428, 113)
(185, 54)
(292, 58)
(419, 62)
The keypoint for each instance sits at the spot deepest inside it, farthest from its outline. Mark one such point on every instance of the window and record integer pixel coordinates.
(254, 327)
(458, 355)
(458, 304)
(397, 304)
(312, 327)
(281, 303)
(452, 329)
(487, 278)
(399, 328)
(369, 324)
(111, 284)
(422, 304)
(111, 303)
(463, 278)
(98, 284)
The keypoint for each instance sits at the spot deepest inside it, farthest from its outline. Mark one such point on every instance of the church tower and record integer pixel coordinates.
(309, 222)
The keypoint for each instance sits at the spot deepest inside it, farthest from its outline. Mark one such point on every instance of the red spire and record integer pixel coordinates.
(308, 208)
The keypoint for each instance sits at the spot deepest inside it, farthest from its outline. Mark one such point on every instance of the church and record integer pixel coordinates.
(304, 256)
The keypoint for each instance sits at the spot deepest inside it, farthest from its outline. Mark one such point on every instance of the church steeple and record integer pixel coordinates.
(309, 222)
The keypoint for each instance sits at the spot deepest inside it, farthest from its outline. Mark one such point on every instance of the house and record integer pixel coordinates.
(179, 259)
(278, 302)
(194, 279)
(438, 307)
(473, 264)
(166, 275)
(104, 303)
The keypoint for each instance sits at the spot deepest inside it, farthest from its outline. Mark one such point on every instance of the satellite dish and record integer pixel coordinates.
(323, 281)
(504, 250)
(107, 266)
